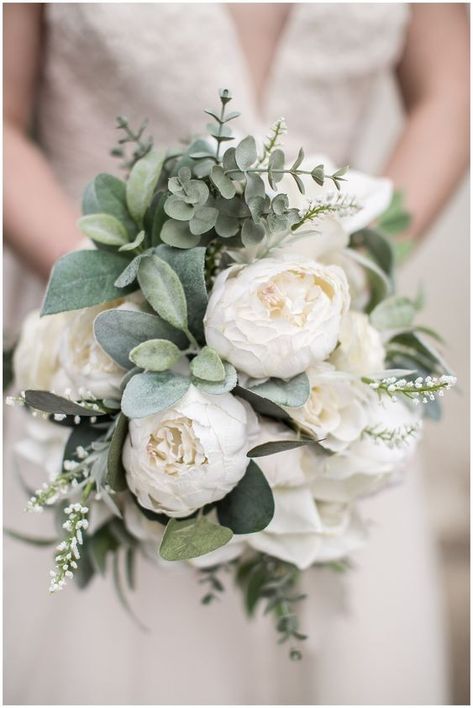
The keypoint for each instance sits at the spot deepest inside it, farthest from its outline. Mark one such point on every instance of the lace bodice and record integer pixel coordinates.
(166, 62)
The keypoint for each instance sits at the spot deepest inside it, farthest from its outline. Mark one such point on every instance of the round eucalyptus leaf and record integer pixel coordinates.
(203, 220)
(177, 234)
(245, 153)
(226, 226)
(196, 192)
(229, 163)
(223, 183)
(251, 233)
(177, 208)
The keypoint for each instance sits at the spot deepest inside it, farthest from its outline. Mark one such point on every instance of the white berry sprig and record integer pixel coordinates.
(420, 390)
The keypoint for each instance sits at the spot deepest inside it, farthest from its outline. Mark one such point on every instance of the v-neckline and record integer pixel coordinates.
(259, 103)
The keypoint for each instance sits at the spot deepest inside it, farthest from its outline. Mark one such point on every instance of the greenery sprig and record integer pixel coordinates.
(136, 138)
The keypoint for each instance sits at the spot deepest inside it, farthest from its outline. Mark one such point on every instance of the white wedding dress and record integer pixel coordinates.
(376, 633)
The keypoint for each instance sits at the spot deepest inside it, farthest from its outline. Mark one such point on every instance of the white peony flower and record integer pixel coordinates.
(360, 349)
(36, 357)
(282, 468)
(304, 531)
(336, 411)
(277, 316)
(189, 455)
(368, 464)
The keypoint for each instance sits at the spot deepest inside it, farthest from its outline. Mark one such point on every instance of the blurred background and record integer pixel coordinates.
(441, 265)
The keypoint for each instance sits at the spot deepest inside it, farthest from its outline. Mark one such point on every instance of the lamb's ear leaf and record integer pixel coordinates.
(106, 194)
(208, 366)
(292, 393)
(190, 538)
(104, 229)
(142, 182)
(249, 507)
(82, 279)
(150, 393)
(115, 477)
(219, 387)
(190, 267)
(155, 355)
(394, 312)
(163, 290)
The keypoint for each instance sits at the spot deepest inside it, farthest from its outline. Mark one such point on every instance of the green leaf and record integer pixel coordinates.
(133, 244)
(25, 538)
(155, 355)
(219, 387)
(275, 162)
(103, 228)
(120, 331)
(380, 284)
(251, 233)
(249, 507)
(116, 477)
(271, 448)
(85, 571)
(8, 371)
(177, 234)
(299, 159)
(260, 404)
(318, 175)
(208, 366)
(378, 247)
(226, 226)
(393, 313)
(82, 279)
(299, 182)
(51, 403)
(190, 267)
(177, 208)
(189, 538)
(229, 163)
(130, 273)
(100, 544)
(396, 218)
(158, 218)
(163, 290)
(246, 153)
(142, 182)
(293, 393)
(223, 183)
(150, 393)
(254, 187)
(203, 220)
(107, 195)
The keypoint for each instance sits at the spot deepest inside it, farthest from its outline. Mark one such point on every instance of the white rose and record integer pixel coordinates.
(368, 464)
(336, 411)
(304, 531)
(282, 468)
(36, 357)
(277, 316)
(83, 362)
(372, 194)
(189, 455)
(44, 445)
(360, 349)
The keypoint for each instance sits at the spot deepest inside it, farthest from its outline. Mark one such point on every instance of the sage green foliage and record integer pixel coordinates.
(393, 313)
(208, 366)
(155, 355)
(273, 447)
(52, 403)
(293, 393)
(141, 183)
(396, 218)
(116, 477)
(190, 538)
(150, 393)
(218, 387)
(82, 279)
(119, 331)
(163, 290)
(249, 507)
(107, 195)
(103, 228)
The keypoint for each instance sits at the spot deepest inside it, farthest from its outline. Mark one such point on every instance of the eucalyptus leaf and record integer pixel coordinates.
(293, 393)
(229, 163)
(149, 393)
(275, 165)
(226, 226)
(254, 186)
(142, 182)
(177, 208)
(208, 366)
(103, 228)
(155, 355)
(177, 234)
(82, 279)
(120, 331)
(190, 538)
(163, 290)
(116, 476)
(318, 175)
(251, 233)
(203, 220)
(223, 183)
(246, 153)
(249, 507)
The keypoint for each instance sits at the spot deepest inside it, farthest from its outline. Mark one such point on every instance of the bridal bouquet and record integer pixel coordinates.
(225, 368)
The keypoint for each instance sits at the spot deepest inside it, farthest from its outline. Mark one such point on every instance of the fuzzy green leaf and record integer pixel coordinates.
(208, 366)
(393, 313)
(82, 279)
(293, 393)
(155, 355)
(163, 290)
(133, 244)
(103, 228)
(120, 331)
(142, 182)
(219, 387)
(189, 538)
(107, 195)
(150, 393)
(249, 507)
